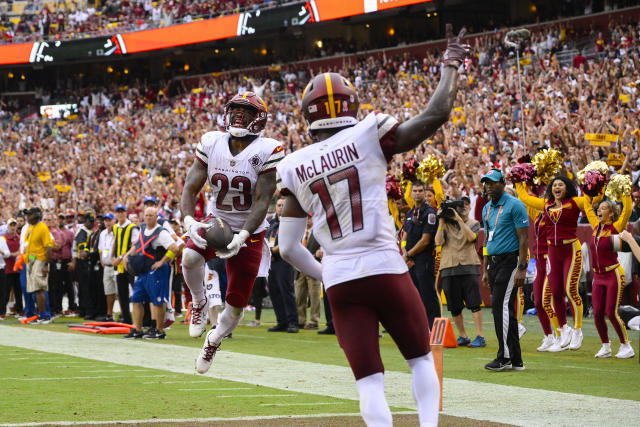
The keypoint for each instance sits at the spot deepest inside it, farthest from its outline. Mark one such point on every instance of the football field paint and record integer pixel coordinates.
(473, 399)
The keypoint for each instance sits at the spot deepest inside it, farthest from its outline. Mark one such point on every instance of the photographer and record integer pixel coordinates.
(460, 266)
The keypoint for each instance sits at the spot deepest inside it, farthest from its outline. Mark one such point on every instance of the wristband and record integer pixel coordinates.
(484, 251)
(170, 254)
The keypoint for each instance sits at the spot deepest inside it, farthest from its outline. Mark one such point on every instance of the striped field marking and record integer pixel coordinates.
(472, 399)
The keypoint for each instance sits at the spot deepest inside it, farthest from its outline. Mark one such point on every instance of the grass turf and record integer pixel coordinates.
(126, 393)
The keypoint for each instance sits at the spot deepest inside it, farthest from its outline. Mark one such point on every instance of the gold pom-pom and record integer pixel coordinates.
(429, 168)
(619, 187)
(548, 163)
(598, 165)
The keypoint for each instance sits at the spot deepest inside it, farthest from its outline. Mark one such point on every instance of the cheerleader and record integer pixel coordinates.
(544, 308)
(608, 275)
(562, 206)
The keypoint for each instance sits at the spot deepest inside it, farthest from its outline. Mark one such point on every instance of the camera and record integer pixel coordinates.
(447, 207)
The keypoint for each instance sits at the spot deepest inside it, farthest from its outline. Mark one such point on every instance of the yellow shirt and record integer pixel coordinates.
(38, 240)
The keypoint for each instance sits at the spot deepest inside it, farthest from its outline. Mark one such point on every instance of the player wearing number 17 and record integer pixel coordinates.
(340, 179)
(240, 167)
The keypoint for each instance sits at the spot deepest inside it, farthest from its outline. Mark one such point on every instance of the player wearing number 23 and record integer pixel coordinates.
(240, 167)
(340, 180)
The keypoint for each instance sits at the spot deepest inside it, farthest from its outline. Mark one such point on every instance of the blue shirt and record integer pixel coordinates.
(500, 222)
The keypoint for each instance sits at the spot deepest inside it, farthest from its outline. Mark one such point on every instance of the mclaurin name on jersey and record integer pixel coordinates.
(332, 160)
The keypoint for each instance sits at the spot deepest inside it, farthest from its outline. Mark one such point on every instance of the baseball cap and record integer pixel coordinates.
(494, 175)
(11, 221)
(89, 215)
(464, 199)
(70, 212)
(150, 199)
(34, 210)
(120, 207)
(61, 214)
(109, 215)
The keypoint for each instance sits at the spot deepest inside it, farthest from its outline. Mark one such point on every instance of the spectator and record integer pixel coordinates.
(12, 278)
(105, 246)
(125, 237)
(80, 265)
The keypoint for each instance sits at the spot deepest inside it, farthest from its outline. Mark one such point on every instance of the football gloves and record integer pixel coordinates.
(192, 226)
(456, 50)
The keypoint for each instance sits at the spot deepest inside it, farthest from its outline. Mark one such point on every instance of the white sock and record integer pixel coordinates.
(373, 405)
(227, 322)
(607, 345)
(426, 389)
(193, 273)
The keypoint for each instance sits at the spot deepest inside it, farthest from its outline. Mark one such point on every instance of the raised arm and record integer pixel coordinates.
(627, 205)
(529, 200)
(413, 132)
(437, 189)
(588, 210)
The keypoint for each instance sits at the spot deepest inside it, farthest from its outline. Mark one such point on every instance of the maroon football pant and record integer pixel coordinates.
(606, 295)
(242, 269)
(391, 299)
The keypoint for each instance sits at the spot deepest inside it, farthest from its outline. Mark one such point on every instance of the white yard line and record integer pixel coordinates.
(476, 400)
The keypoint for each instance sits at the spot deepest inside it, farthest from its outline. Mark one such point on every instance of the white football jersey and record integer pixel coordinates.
(341, 182)
(233, 178)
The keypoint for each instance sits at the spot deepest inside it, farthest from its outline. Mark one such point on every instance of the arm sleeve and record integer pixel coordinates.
(4, 249)
(627, 205)
(527, 199)
(580, 202)
(387, 126)
(273, 160)
(164, 239)
(437, 189)
(290, 242)
(591, 215)
(430, 224)
(201, 155)
(520, 216)
(47, 241)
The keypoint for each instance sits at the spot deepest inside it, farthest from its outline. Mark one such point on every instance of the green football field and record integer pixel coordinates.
(51, 375)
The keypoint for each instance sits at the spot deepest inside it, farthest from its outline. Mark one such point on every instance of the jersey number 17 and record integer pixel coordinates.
(320, 188)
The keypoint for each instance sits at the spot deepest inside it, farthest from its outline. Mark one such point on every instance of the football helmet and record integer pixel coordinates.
(239, 127)
(330, 101)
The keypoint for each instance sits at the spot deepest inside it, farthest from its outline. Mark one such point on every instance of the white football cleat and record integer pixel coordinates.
(547, 342)
(604, 352)
(208, 352)
(626, 351)
(521, 330)
(198, 323)
(565, 335)
(576, 339)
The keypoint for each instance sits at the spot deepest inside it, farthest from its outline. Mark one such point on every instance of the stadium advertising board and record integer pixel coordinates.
(58, 111)
(195, 32)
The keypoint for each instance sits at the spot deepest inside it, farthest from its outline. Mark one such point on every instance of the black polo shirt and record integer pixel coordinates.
(420, 221)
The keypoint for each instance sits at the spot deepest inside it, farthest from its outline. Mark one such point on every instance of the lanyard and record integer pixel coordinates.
(497, 216)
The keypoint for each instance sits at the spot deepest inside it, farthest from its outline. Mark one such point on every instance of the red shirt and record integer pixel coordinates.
(562, 223)
(603, 257)
(63, 237)
(13, 242)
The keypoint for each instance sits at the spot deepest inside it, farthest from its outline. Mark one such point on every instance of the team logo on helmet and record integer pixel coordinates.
(330, 101)
(256, 124)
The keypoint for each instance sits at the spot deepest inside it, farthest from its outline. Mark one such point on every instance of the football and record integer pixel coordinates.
(219, 235)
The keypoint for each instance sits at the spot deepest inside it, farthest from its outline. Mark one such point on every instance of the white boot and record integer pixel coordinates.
(604, 352)
(521, 330)
(626, 351)
(576, 339)
(208, 352)
(198, 323)
(547, 342)
(562, 342)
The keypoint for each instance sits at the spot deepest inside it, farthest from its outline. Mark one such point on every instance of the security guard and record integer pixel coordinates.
(80, 264)
(420, 227)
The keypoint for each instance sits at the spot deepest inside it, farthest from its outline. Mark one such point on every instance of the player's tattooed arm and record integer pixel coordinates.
(196, 178)
(265, 187)
(413, 132)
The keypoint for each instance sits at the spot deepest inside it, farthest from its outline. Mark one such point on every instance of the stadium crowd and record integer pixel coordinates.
(129, 142)
(65, 20)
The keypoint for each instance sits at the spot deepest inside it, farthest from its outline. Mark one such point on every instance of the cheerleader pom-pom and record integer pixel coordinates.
(523, 172)
(593, 183)
(430, 168)
(409, 170)
(619, 187)
(547, 163)
(393, 188)
(598, 165)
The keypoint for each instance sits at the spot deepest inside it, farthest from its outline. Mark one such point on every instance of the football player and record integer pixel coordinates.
(240, 167)
(340, 180)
